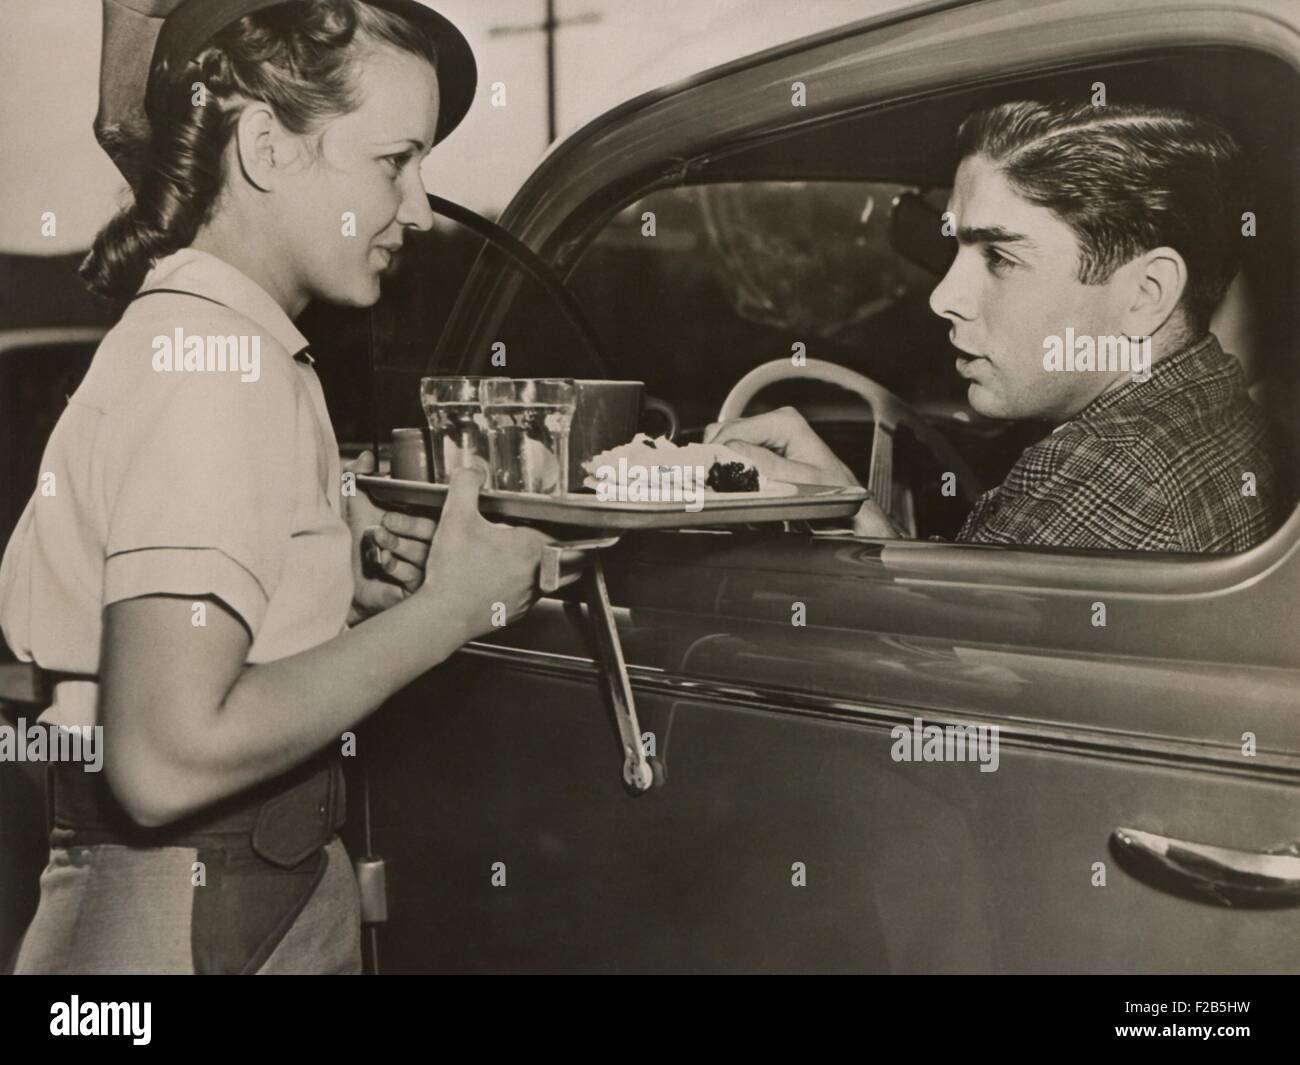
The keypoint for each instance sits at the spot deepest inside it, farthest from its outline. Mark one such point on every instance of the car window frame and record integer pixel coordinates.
(1030, 568)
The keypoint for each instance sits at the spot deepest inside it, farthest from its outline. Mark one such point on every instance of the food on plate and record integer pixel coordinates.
(733, 477)
(658, 461)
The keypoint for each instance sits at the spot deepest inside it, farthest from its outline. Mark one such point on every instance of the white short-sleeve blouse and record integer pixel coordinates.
(190, 481)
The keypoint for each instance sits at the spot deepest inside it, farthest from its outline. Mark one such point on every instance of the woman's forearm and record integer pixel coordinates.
(187, 723)
(282, 711)
(278, 714)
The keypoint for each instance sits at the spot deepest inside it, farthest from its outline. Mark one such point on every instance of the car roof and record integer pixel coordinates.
(751, 46)
(1033, 36)
(742, 32)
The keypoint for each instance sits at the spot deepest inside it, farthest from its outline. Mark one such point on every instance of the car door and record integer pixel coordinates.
(1144, 706)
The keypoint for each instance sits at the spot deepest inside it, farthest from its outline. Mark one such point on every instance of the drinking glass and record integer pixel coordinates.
(457, 426)
(528, 432)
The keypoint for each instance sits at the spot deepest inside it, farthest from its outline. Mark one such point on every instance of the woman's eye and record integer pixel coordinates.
(396, 163)
(998, 262)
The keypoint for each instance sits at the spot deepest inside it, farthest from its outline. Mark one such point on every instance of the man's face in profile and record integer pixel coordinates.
(1014, 284)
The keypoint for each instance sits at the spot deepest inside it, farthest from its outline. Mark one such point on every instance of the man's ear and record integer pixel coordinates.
(1157, 281)
(266, 149)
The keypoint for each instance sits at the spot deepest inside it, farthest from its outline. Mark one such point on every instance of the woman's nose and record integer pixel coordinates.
(952, 296)
(414, 211)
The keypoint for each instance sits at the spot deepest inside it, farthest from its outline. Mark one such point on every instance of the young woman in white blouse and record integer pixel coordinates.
(193, 583)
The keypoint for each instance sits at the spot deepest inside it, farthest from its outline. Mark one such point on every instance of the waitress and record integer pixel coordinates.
(188, 570)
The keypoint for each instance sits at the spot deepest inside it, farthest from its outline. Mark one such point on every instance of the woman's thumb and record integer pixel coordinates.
(462, 494)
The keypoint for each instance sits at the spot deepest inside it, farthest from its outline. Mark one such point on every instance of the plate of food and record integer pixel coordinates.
(649, 483)
(654, 469)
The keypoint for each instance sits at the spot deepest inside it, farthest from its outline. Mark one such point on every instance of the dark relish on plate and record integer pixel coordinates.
(732, 477)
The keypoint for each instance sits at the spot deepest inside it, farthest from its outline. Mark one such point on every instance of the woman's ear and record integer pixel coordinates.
(1158, 281)
(266, 150)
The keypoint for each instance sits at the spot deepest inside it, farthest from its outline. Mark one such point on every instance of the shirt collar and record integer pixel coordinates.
(203, 274)
(1199, 360)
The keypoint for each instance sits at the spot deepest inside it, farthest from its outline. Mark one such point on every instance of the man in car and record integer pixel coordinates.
(1079, 228)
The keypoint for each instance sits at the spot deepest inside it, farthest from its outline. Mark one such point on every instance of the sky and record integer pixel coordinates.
(49, 69)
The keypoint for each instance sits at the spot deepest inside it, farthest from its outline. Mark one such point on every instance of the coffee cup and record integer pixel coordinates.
(606, 415)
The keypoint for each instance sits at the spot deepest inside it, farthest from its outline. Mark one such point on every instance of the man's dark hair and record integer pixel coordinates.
(1126, 179)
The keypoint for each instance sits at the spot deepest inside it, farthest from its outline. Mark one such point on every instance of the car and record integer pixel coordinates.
(1141, 812)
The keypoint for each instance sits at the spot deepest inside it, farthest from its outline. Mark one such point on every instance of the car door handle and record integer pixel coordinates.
(1228, 875)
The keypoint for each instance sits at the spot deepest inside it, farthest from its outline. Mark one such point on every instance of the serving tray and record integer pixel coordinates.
(808, 502)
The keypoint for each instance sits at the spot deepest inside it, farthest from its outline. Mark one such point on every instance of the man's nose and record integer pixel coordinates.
(953, 296)
(414, 211)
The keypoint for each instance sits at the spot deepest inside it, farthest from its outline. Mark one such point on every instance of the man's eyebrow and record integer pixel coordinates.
(992, 235)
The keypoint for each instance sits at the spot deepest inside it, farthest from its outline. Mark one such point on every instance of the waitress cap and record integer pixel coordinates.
(140, 34)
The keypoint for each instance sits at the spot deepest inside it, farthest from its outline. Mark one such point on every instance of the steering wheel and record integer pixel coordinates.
(888, 412)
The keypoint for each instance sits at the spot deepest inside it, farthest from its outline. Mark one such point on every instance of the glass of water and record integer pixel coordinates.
(528, 432)
(458, 428)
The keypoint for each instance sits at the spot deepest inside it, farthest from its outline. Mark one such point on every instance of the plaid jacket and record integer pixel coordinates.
(1151, 466)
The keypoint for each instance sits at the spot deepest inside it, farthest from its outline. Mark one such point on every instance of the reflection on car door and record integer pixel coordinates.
(788, 835)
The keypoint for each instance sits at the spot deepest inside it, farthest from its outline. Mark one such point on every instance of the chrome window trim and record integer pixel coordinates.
(1013, 733)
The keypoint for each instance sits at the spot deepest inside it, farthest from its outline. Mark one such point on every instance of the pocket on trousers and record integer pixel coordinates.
(112, 910)
(246, 907)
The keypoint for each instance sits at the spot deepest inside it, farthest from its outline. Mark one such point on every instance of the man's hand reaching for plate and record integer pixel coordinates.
(784, 447)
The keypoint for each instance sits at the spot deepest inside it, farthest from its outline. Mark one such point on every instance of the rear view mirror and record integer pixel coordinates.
(916, 233)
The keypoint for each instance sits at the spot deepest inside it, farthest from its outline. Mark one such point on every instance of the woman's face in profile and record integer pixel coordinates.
(345, 214)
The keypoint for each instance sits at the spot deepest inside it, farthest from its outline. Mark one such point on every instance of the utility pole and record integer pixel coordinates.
(549, 27)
